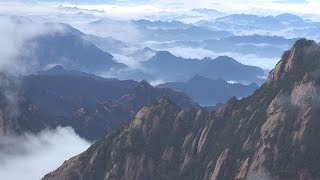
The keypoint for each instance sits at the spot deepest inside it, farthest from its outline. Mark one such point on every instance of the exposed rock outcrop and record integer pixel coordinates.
(274, 133)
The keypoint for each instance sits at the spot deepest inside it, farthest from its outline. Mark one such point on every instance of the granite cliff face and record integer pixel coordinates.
(271, 134)
(94, 122)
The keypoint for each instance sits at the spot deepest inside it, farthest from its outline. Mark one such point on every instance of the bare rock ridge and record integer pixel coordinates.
(291, 59)
(270, 134)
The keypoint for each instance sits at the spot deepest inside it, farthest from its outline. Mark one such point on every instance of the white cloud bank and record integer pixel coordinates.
(15, 31)
(264, 7)
(130, 9)
(30, 157)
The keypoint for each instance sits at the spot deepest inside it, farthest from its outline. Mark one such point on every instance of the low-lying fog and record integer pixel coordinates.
(33, 156)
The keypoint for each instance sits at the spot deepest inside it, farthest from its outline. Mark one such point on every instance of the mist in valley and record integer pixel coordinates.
(31, 156)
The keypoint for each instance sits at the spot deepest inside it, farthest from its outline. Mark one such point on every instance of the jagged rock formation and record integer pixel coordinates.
(94, 122)
(273, 134)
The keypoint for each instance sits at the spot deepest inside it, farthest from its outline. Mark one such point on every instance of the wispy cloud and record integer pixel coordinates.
(138, 9)
(32, 156)
(15, 31)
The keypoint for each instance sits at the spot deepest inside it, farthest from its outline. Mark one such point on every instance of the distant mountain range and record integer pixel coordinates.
(262, 46)
(92, 105)
(209, 92)
(107, 44)
(160, 24)
(69, 49)
(60, 92)
(208, 12)
(188, 34)
(288, 25)
(168, 67)
(73, 49)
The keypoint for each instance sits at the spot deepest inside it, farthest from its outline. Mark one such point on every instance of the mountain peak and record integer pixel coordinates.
(226, 59)
(304, 43)
(58, 68)
(164, 54)
(303, 57)
(288, 17)
(145, 84)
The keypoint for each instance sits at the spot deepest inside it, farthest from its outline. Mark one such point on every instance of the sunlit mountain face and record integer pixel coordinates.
(146, 89)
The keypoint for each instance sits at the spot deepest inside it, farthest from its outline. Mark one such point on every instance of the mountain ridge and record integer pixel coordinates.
(210, 92)
(270, 134)
(163, 65)
(92, 105)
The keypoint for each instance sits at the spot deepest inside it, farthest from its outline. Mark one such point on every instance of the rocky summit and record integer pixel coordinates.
(272, 134)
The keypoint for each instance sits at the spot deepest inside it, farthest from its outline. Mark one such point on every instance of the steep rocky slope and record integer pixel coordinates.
(271, 134)
(94, 122)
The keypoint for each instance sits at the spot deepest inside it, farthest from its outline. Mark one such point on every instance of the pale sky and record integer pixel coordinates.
(230, 6)
(136, 8)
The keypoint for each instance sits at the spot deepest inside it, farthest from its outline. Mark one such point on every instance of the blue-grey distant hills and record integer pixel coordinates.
(160, 24)
(188, 33)
(207, 12)
(108, 44)
(168, 67)
(60, 92)
(92, 105)
(284, 24)
(69, 49)
(260, 45)
(210, 92)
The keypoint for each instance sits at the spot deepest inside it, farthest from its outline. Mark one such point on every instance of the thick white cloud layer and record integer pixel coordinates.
(15, 31)
(230, 6)
(30, 157)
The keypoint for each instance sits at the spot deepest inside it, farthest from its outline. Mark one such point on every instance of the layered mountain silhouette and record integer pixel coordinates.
(264, 46)
(70, 49)
(161, 24)
(210, 92)
(289, 24)
(94, 122)
(187, 34)
(270, 134)
(168, 67)
(61, 92)
(92, 105)
(107, 44)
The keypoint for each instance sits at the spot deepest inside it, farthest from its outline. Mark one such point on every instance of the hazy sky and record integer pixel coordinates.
(135, 6)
